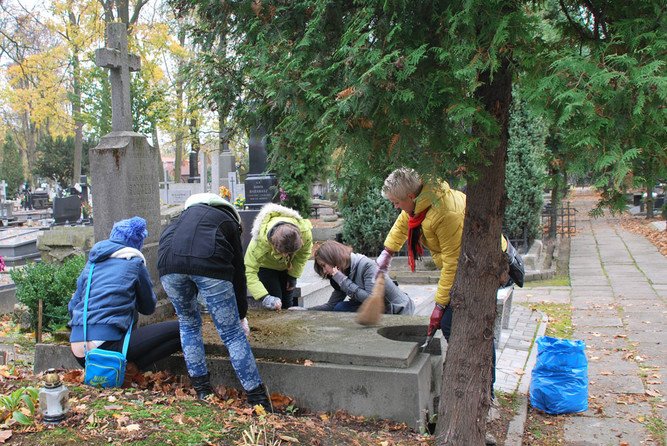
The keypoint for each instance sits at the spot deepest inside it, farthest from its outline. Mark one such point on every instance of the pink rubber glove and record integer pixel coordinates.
(384, 260)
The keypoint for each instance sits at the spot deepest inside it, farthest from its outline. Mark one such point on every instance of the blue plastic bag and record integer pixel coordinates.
(559, 382)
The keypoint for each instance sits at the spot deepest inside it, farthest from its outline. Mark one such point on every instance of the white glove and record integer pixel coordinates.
(245, 326)
(272, 302)
(297, 308)
(384, 260)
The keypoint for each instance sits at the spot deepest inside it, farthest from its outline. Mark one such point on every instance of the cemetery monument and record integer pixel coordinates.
(124, 166)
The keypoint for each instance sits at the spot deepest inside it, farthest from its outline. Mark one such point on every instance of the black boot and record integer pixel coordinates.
(258, 395)
(202, 385)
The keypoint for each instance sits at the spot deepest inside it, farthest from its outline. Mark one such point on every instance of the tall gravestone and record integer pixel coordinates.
(260, 187)
(124, 166)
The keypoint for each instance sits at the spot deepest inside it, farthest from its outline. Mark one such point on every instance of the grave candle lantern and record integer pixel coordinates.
(53, 398)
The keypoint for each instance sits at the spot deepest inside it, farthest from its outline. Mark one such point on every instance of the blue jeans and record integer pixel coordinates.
(220, 299)
(349, 306)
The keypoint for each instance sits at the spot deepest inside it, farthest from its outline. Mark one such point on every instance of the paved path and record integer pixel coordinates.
(618, 296)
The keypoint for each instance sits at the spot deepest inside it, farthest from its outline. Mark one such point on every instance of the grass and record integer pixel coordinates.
(656, 426)
(560, 319)
(554, 281)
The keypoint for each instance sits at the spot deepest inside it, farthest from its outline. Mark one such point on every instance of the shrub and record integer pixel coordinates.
(367, 222)
(525, 173)
(52, 283)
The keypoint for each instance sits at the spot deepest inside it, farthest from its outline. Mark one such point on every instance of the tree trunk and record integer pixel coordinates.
(649, 197)
(195, 147)
(180, 124)
(555, 202)
(156, 146)
(76, 109)
(466, 384)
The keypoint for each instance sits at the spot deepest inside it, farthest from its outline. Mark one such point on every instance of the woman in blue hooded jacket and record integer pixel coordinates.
(120, 289)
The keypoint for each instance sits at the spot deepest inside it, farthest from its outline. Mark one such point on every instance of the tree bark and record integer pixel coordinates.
(76, 108)
(156, 146)
(466, 384)
(195, 147)
(180, 124)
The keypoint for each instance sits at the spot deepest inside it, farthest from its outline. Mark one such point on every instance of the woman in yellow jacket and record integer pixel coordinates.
(431, 215)
(281, 245)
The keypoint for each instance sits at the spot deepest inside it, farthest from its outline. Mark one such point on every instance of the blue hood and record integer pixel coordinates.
(102, 250)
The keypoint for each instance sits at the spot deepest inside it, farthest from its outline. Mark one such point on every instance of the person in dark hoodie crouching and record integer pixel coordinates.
(120, 289)
(200, 253)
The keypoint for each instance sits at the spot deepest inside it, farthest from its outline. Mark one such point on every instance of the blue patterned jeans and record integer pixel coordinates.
(218, 294)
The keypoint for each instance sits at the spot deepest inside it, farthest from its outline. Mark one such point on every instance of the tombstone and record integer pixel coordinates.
(40, 199)
(203, 178)
(124, 165)
(66, 209)
(83, 183)
(223, 164)
(194, 175)
(260, 187)
(5, 206)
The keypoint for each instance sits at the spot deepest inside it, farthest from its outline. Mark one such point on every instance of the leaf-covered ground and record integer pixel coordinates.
(160, 409)
(642, 226)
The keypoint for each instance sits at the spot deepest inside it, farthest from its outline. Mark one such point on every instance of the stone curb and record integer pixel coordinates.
(517, 426)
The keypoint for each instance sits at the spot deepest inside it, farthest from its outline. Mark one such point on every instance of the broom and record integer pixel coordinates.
(370, 312)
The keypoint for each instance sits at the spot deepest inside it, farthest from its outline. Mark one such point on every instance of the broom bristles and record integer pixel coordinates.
(372, 309)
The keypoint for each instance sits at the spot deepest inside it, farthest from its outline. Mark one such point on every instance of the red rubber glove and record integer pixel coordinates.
(436, 317)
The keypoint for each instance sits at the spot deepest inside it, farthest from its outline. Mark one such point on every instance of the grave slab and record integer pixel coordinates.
(19, 245)
(370, 371)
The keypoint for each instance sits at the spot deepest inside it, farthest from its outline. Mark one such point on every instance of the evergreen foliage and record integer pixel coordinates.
(368, 216)
(52, 283)
(603, 80)
(54, 158)
(525, 169)
(10, 169)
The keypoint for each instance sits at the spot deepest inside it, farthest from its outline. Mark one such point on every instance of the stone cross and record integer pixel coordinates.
(120, 63)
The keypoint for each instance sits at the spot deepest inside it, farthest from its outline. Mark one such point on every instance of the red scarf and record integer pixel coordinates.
(415, 248)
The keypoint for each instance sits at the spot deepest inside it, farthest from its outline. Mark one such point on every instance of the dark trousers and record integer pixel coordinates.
(446, 327)
(275, 283)
(148, 344)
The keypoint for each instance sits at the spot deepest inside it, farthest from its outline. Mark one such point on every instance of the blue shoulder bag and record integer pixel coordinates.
(104, 368)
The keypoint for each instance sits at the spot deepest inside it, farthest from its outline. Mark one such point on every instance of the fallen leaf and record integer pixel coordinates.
(5, 435)
(519, 371)
(111, 399)
(308, 363)
(651, 392)
(259, 409)
(113, 407)
(280, 401)
(288, 439)
(178, 419)
(606, 373)
(132, 427)
(324, 417)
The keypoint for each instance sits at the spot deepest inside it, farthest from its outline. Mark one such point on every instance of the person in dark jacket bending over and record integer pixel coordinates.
(201, 253)
(120, 287)
(353, 275)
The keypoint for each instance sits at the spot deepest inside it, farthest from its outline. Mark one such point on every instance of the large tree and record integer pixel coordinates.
(429, 85)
